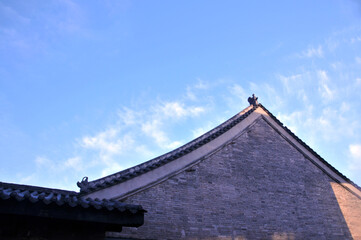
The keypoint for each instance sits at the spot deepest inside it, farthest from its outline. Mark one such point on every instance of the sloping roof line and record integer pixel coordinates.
(34, 194)
(309, 148)
(122, 176)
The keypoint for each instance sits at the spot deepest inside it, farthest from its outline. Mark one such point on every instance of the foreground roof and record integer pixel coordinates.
(89, 187)
(61, 204)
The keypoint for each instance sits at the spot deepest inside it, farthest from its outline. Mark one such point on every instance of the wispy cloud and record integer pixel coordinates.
(34, 31)
(178, 110)
(12, 15)
(134, 135)
(355, 39)
(358, 60)
(207, 126)
(312, 52)
(107, 146)
(154, 130)
(327, 124)
(73, 163)
(358, 81)
(72, 17)
(323, 86)
(292, 82)
(56, 173)
(238, 91)
(193, 90)
(154, 122)
(109, 141)
(355, 161)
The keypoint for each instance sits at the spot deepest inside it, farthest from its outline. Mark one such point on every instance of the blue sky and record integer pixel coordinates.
(88, 88)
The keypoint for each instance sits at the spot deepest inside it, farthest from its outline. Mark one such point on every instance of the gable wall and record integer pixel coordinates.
(258, 186)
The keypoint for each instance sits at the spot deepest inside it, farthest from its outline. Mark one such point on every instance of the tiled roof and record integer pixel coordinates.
(122, 176)
(62, 198)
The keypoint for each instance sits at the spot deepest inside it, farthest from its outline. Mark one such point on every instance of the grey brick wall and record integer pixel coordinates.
(257, 187)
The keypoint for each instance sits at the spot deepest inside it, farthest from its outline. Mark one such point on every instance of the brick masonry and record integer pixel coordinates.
(256, 187)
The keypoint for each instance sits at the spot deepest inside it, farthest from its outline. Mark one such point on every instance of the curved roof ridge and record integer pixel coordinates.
(124, 175)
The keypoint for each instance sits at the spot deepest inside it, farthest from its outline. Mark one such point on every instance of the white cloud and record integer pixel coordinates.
(201, 84)
(323, 86)
(143, 152)
(153, 122)
(106, 147)
(74, 163)
(178, 110)
(11, 14)
(355, 161)
(322, 125)
(154, 129)
(108, 141)
(345, 107)
(312, 52)
(193, 91)
(134, 132)
(358, 81)
(41, 161)
(31, 30)
(190, 94)
(290, 82)
(267, 93)
(28, 179)
(332, 44)
(71, 18)
(291, 120)
(358, 60)
(110, 168)
(201, 130)
(355, 39)
(235, 97)
(128, 134)
(336, 65)
(128, 116)
(238, 91)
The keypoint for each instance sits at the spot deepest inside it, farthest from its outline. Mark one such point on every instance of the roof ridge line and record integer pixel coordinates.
(308, 148)
(121, 176)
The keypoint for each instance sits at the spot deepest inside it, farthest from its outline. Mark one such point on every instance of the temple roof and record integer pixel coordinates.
(87, 187)
(61, 197)
(32, 200)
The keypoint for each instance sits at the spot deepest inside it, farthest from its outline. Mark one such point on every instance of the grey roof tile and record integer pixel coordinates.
(60, 197)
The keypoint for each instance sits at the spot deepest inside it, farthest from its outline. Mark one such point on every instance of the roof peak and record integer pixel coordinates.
(253, 100)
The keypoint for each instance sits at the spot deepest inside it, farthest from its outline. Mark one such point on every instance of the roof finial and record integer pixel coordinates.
(84, 183)
(253, 100)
